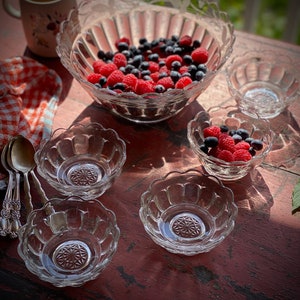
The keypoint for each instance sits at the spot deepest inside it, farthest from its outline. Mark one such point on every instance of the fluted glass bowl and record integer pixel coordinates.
(96, 25)
(188, 212)
(234, 119)
(82, 160)
(68, 241)
(263, 83)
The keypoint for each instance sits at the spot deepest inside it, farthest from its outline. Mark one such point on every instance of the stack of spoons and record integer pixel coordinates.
(17, 158)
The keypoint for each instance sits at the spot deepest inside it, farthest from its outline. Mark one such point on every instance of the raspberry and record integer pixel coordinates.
(107, 69)
(94, 78)
(183, 82)
(166, 82)
(225, 155)
(183, 69)
(171, 58)
(155, 76)
(120, 60)
(211, 131)
(242, 145)
(115, 77)
(143, 87)
(97, 64)
(226, 142)
(214, 151)
(130, 81)
(185, 41)
(241, 155)
(200, 55)
(153, 66)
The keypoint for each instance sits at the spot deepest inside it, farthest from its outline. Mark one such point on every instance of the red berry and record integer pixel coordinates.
(183, 69)
(183, 82)
(214, 151)
(97, 64)
(242, 155)
(107, 69)
(130, 81)
(200, 55)
(153, 66)
(115, 77)
(120, 60)
(226, 142)
(155, 76)
(172, 58)
(186, 40)
(211, 131)
(225, 155)
(166, 82)
(94, 78)
(143, 87)
(242, 145)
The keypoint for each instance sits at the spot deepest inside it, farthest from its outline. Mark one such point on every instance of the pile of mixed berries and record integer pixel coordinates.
(152, 66)
(230, 145)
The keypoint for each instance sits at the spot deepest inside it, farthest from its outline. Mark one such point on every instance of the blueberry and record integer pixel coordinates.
(153, 57)
(144, 65)
(224, 128)
(211, 141)
(102, 81)
(243, 133)
(176, 65)
(196, 44)
(257, 144)
(169, 50)
(187, 59)
(122, 46)
(159, 88)
(119, 86)
(142, 40)
(204, 148)
(137, 60)
(192, 69)
(175, 76)
(202, 67)
(136, 73)
(237, 138)
(199, 75)
(252, 151)
(249, 140)
(101, 54)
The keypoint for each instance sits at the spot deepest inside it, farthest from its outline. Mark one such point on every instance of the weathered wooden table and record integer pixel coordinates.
(259, 260)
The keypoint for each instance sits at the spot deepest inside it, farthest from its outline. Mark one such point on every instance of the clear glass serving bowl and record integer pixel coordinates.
(69, 241)
(188, 212)
(263, 84)
(82, 160)
(96, 25)
(233, 118)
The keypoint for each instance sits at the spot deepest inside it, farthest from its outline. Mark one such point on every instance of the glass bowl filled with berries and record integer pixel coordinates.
(228, 143)
(145, 62)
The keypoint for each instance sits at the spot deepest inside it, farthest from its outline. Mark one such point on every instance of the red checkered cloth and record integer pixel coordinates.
(29, 94)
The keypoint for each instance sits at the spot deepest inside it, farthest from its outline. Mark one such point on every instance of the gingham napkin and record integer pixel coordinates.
(29, 93)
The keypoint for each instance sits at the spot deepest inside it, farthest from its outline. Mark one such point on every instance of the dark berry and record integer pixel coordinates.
(224, 128)
(119, 86)
(252, 151)
(199, 75)
(211, 141)
(153, 57)
(144, 65)
(101, 54)
(243, 133)
(175, 76)
(196, 44)
(159, 88)
(237, 138)
(204, 148)
(187, 59)
(123, 46)
(257, 144)
(249, 140)
(176, 65)
(142, 41)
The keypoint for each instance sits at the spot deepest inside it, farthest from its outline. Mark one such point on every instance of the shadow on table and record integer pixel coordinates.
(56, 65)
(149, 146)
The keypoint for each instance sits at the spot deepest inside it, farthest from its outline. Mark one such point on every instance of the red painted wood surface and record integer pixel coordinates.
(259, 260)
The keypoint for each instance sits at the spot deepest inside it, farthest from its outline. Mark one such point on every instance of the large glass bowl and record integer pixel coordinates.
(262, 83)
(188, 212)
(69, 241)
(96, 25)
(234, 119)
(82, 160)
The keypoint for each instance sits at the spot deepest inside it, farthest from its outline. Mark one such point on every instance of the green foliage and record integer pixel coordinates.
(296, 198)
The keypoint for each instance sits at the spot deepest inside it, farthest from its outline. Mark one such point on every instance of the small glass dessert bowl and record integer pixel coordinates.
(228, 143)
(68, 241)
(262, 84)
(188, 212)
(82, 160)
(93, 30)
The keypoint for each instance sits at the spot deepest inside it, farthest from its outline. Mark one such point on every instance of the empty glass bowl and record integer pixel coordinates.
(97, 25)
(263, 84)
(82, 160)
(188, 212)
(69, 241)
(234, 119)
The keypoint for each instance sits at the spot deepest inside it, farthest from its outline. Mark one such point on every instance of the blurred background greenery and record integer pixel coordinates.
(271, 19)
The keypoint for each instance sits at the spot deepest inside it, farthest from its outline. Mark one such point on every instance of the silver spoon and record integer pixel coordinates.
(22, 158)
(6, 205)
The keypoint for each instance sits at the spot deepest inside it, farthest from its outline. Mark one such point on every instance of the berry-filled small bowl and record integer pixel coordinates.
(188, 212)
(228, 143)
(263, 83)
(82, 160)
(145, 62)
(69, 241)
